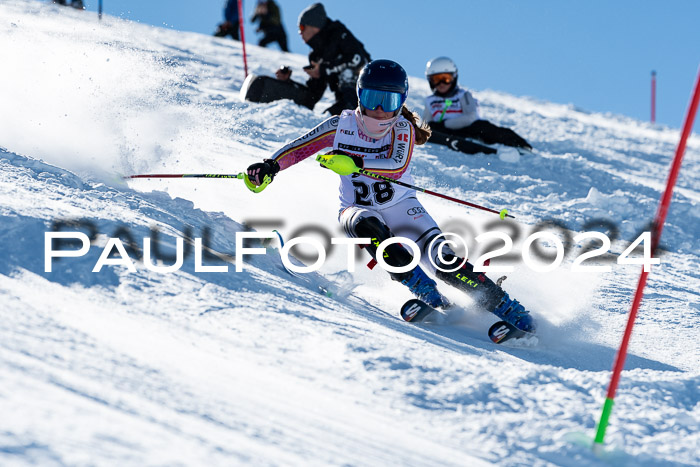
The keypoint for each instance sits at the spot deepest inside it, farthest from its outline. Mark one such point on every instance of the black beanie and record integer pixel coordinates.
(313, 15)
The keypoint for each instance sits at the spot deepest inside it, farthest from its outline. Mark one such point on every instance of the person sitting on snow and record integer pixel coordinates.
(452, 110)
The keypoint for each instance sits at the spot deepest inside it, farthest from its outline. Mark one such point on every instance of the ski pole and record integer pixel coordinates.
(324, 159)
(241, 176)
(503, 213)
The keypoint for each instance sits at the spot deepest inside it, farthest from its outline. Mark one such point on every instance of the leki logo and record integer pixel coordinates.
(466, 280)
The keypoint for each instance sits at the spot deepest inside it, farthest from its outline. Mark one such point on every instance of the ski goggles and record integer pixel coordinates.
(388, 100)
(440, 78)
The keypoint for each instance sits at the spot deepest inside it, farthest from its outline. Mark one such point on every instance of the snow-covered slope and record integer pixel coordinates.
(144, 367)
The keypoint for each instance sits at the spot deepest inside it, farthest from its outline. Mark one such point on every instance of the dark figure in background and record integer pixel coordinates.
(74, 3)
(296, 91)
(452, 111)
(230, 26)
(335, 60)
(268, 14)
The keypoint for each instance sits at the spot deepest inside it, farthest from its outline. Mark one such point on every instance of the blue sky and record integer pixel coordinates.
(595, 54)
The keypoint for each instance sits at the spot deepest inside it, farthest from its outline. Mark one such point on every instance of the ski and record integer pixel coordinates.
(472, 146)
(416, 311)
(289, 271)
(526, 151)
(341, 287)
(460, 144)
(502, 331)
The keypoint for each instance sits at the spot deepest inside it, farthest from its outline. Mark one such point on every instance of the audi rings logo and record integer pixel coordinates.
(415, 211)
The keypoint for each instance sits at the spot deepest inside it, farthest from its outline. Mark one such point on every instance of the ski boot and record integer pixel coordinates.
(511, 311)
(424, 288)
(487, 294)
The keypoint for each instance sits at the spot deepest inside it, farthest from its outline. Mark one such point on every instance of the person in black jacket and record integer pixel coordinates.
(268, 13)
(335, 60)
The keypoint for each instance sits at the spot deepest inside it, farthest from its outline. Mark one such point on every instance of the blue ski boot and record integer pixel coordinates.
(424, 288)
(513, 312)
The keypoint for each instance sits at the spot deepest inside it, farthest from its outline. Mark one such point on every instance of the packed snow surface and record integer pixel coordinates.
(147, 367)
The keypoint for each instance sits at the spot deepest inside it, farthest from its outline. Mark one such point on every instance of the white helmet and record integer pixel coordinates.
(441, 65)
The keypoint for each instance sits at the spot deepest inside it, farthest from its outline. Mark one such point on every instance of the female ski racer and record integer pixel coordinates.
(379, 136)
(452, 110)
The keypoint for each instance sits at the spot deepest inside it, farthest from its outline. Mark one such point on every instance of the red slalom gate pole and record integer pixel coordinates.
(241, 20)
(653, 97)
(659, 221)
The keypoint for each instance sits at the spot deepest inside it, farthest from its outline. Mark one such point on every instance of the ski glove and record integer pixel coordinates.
(258, 171)
(341, 163)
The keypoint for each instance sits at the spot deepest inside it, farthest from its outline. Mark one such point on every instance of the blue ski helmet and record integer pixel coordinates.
(382, 82)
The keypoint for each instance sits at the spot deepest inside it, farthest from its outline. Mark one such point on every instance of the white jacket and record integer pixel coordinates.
(457, 111)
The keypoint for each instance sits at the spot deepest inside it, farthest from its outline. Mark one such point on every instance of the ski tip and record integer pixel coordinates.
(502, 331)
(415, 310)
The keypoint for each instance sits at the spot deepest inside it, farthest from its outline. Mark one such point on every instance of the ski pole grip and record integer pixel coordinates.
(251, 186)
(338, 163)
